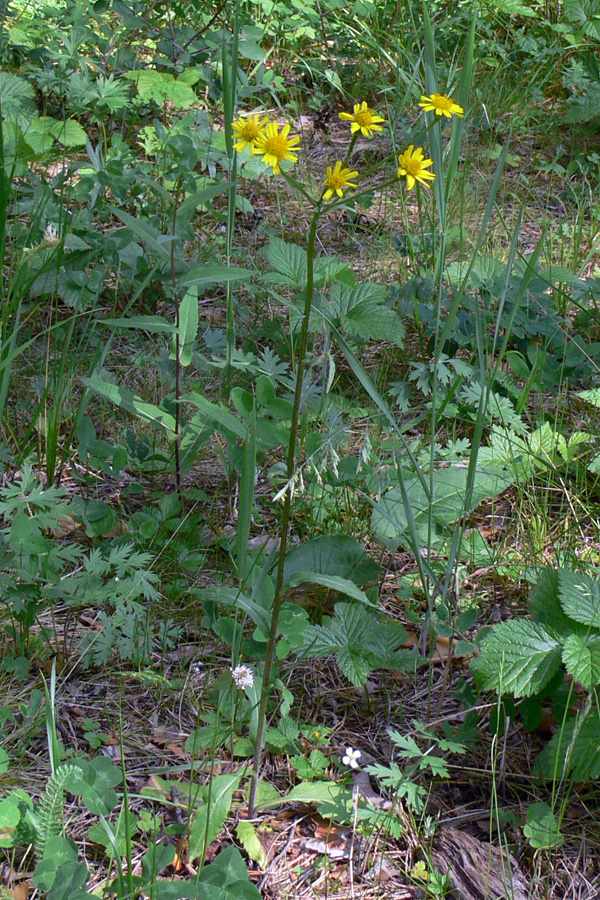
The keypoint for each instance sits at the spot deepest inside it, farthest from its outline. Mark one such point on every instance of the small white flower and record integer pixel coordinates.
(51, 236)
(351, 758)
(243, 676)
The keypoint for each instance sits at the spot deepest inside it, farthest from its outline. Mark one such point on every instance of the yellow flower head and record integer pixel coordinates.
(363, 119)
(246, 129)
(273, 146)
(441, 106)
(414, 167)
(337, 180)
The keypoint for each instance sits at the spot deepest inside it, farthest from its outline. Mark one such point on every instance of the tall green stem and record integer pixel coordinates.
(287, 510)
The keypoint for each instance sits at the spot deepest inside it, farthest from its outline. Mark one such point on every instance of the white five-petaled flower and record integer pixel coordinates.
(351, 758)
(243, 676)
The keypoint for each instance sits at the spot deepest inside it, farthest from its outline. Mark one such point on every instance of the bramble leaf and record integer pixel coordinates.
(517, 657)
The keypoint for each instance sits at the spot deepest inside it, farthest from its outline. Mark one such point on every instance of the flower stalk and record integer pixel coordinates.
(287, 510)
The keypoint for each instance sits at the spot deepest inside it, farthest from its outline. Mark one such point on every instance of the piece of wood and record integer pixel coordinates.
(477, 870)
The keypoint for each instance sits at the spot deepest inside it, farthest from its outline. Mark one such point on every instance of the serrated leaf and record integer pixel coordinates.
(289, 262)
(580, 597)
(581, 656)
(356, 663)
(18, 96)
(574, 751)
(355, 637)
(517, 657)
(361, 311)
(70, 133)
(545, 605)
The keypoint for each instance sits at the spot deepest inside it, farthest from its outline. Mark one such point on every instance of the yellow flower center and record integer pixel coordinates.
(336, 181)
(276, 146)
(413, 166)
(249, 131)
(364, 117)
(442, 102)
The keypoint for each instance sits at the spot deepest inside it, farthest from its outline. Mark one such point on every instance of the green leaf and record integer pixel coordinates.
(517, 657)
(333, 582)
(227, 878)
(162, 87)
(445, 505)
(96, 783)
(360, 642)
(581, 657)
(546, 607)
(10, 816)
(151, 324)
(337, 554)
(361, 311)
(70, 133)
(60, 854)
(210, 817)
(574, 751)
(130, 402)
(154, 240)
(188, 325)
(18, 96)
(248, 838)
(289, 262)
(580, 597)
(217, 414)
(314, 792)
(542, 828)
(214, 274)
(39, 135)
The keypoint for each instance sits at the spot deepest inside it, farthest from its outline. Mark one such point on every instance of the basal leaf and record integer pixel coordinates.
(332, 554)
(333, 582)
(127, 400)
(211, 815)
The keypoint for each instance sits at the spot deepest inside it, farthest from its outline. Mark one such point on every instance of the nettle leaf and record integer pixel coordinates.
(545, 605)
(517, 657)
(580, 597)
(581, 657)
(574, 751)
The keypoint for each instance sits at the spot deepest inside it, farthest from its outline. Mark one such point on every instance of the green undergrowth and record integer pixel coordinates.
(299, 356)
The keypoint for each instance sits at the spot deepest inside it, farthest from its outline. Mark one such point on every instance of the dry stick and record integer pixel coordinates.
(285, 519)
